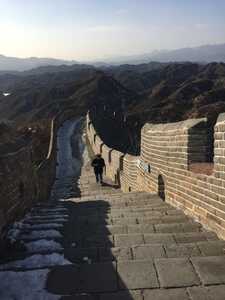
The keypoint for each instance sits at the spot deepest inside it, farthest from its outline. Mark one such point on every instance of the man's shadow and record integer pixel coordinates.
(89, 245)
(114, 186)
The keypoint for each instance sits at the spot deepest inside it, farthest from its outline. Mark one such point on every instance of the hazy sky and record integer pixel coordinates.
(94, 29)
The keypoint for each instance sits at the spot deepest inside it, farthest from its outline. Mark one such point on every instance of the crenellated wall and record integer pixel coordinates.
(168, 153)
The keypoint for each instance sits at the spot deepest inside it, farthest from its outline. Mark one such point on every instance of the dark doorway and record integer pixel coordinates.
(161, 187)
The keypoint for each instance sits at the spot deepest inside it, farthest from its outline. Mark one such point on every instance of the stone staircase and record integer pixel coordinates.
(95, 242)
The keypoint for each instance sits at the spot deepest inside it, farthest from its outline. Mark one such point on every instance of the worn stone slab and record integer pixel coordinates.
(122, 295)
(148, 251)
(186, 250)
(213, 248)
(124, 240)
(200, 293)
(174, 219)
(176, 272)
(211, 269)
(111, 229)
(168, 228)
(211, 236)
(124, 221)
(191, 227)
(137, 275)
(117, 253)
(148, 228)
(63, 280)
(190, 237)
(159, 238)
(151, 220)
(78, 255)
(169, 294)
(98, 241)
(98, 278)
(216, 292)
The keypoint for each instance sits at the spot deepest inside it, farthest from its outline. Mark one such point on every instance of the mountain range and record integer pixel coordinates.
(24, 64)
(202, 54)
(122, 98)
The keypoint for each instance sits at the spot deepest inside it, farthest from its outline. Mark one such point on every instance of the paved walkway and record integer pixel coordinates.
(96, 242)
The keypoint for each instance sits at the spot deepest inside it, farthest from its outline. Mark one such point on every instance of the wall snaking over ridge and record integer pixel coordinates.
(120, 167)
(22, 183)
(168, 152)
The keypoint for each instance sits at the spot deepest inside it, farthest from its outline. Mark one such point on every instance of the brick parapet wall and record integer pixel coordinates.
(167, 151)
(219, 148)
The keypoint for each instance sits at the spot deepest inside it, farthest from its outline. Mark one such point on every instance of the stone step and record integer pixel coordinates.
(97, 220)
(101, 254)
(104, 230)
(128, 240)
(153, 276)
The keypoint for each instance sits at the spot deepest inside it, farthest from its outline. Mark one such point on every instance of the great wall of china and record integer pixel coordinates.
(141, 247)
(163, 167)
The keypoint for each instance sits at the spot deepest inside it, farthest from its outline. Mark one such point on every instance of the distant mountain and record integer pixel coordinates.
(169, 93)
(41, 96)
(24, 64)
(202, 54)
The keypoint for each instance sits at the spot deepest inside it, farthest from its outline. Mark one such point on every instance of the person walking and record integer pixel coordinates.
(98, 164)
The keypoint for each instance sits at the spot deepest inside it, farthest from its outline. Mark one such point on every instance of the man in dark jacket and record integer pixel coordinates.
(98, 164)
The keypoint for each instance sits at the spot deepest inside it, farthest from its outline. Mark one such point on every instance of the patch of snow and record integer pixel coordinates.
(42, 221)
(48, 217)
(46, 226)
(50, 211)
(28, 285)
(42, 234)
(43, 245)
(13, 234)
(36, 261)
(6, 94)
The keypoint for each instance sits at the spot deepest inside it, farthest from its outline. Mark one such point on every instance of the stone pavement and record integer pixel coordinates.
(99, 243)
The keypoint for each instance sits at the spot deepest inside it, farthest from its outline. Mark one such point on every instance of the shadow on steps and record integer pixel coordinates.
(88, 245)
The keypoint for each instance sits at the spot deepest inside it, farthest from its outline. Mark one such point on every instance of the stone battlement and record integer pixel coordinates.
(164, 167)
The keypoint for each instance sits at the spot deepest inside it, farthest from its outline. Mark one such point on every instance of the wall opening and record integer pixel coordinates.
(202, 154)
(101, 147)
(95, 136)
(117, 176)
(110, 156)
(161, 187)
(121, 163)
(21, 189)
